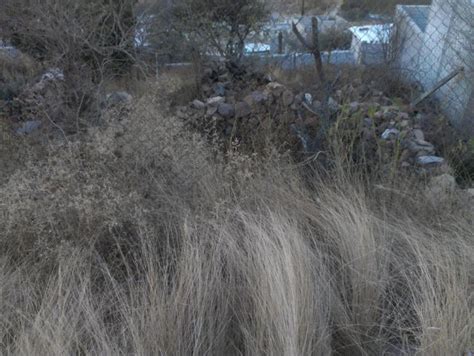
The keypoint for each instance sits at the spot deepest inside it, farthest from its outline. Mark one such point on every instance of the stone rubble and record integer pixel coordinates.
(250, 97)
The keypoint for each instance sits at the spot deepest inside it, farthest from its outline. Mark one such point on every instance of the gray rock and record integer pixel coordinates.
(256, 98)
(219, 89)
(28, 127)
(275, 88)
(368, 122)
(9, 51)
(211, 110)
(404, 123)
(53, 74)
(227, 111)
(224, 77)
(287, 98)
(333, 105)
(198, 104)
(403, 116)
(215, 101)
(332, 102)
(389, 115)
(182, 112)
(418, 134)
(119, 98)
(417, 146)
(428, 160)
(206, 89)
(242, 109)
(354, 107)
(378, 115)
(317, 105)
(308, 98)
(390, 133)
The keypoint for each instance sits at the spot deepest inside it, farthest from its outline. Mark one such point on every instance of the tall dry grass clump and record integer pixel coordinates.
(140, 239)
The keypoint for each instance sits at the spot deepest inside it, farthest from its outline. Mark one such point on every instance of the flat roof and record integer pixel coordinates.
(419, 14)
(373, 33)
(257, 47)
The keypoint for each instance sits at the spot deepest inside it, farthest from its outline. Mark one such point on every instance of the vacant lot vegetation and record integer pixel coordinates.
(140, 238)
(124, 231)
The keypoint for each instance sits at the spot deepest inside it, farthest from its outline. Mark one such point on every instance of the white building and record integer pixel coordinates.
(432, 42)
(370, 43)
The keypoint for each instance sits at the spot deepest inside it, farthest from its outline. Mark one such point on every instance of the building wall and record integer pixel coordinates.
(373, 53)
(408, 40)
(446, 45)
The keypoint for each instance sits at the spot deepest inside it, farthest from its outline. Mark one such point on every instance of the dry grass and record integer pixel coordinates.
(138, 239)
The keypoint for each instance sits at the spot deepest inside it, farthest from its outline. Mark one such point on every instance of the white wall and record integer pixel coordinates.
(446, 45)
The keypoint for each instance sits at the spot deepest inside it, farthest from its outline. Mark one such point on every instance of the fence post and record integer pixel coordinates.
(280, 42)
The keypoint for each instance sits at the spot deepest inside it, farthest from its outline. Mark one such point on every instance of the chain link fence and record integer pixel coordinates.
(434, 47)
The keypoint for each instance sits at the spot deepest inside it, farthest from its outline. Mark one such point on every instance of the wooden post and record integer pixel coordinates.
(437, 86)
(280, 42)
(316, 49)
(313, 47)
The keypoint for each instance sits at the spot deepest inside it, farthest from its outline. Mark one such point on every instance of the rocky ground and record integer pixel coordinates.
(236, 102)
(380, 132)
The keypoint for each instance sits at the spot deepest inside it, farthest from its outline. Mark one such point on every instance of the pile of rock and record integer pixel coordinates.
(230, 80)
(44, 97)
(237, 101)
(399, 127)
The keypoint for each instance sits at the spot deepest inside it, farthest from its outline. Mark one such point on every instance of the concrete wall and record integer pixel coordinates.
(373, 53)
(456, 97)
(368, 53)
(409, 41)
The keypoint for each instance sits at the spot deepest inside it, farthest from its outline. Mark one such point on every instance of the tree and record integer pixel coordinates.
(219, 26)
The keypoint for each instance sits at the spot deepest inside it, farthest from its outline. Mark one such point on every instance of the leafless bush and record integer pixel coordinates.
(89, 42)
(80, 35)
